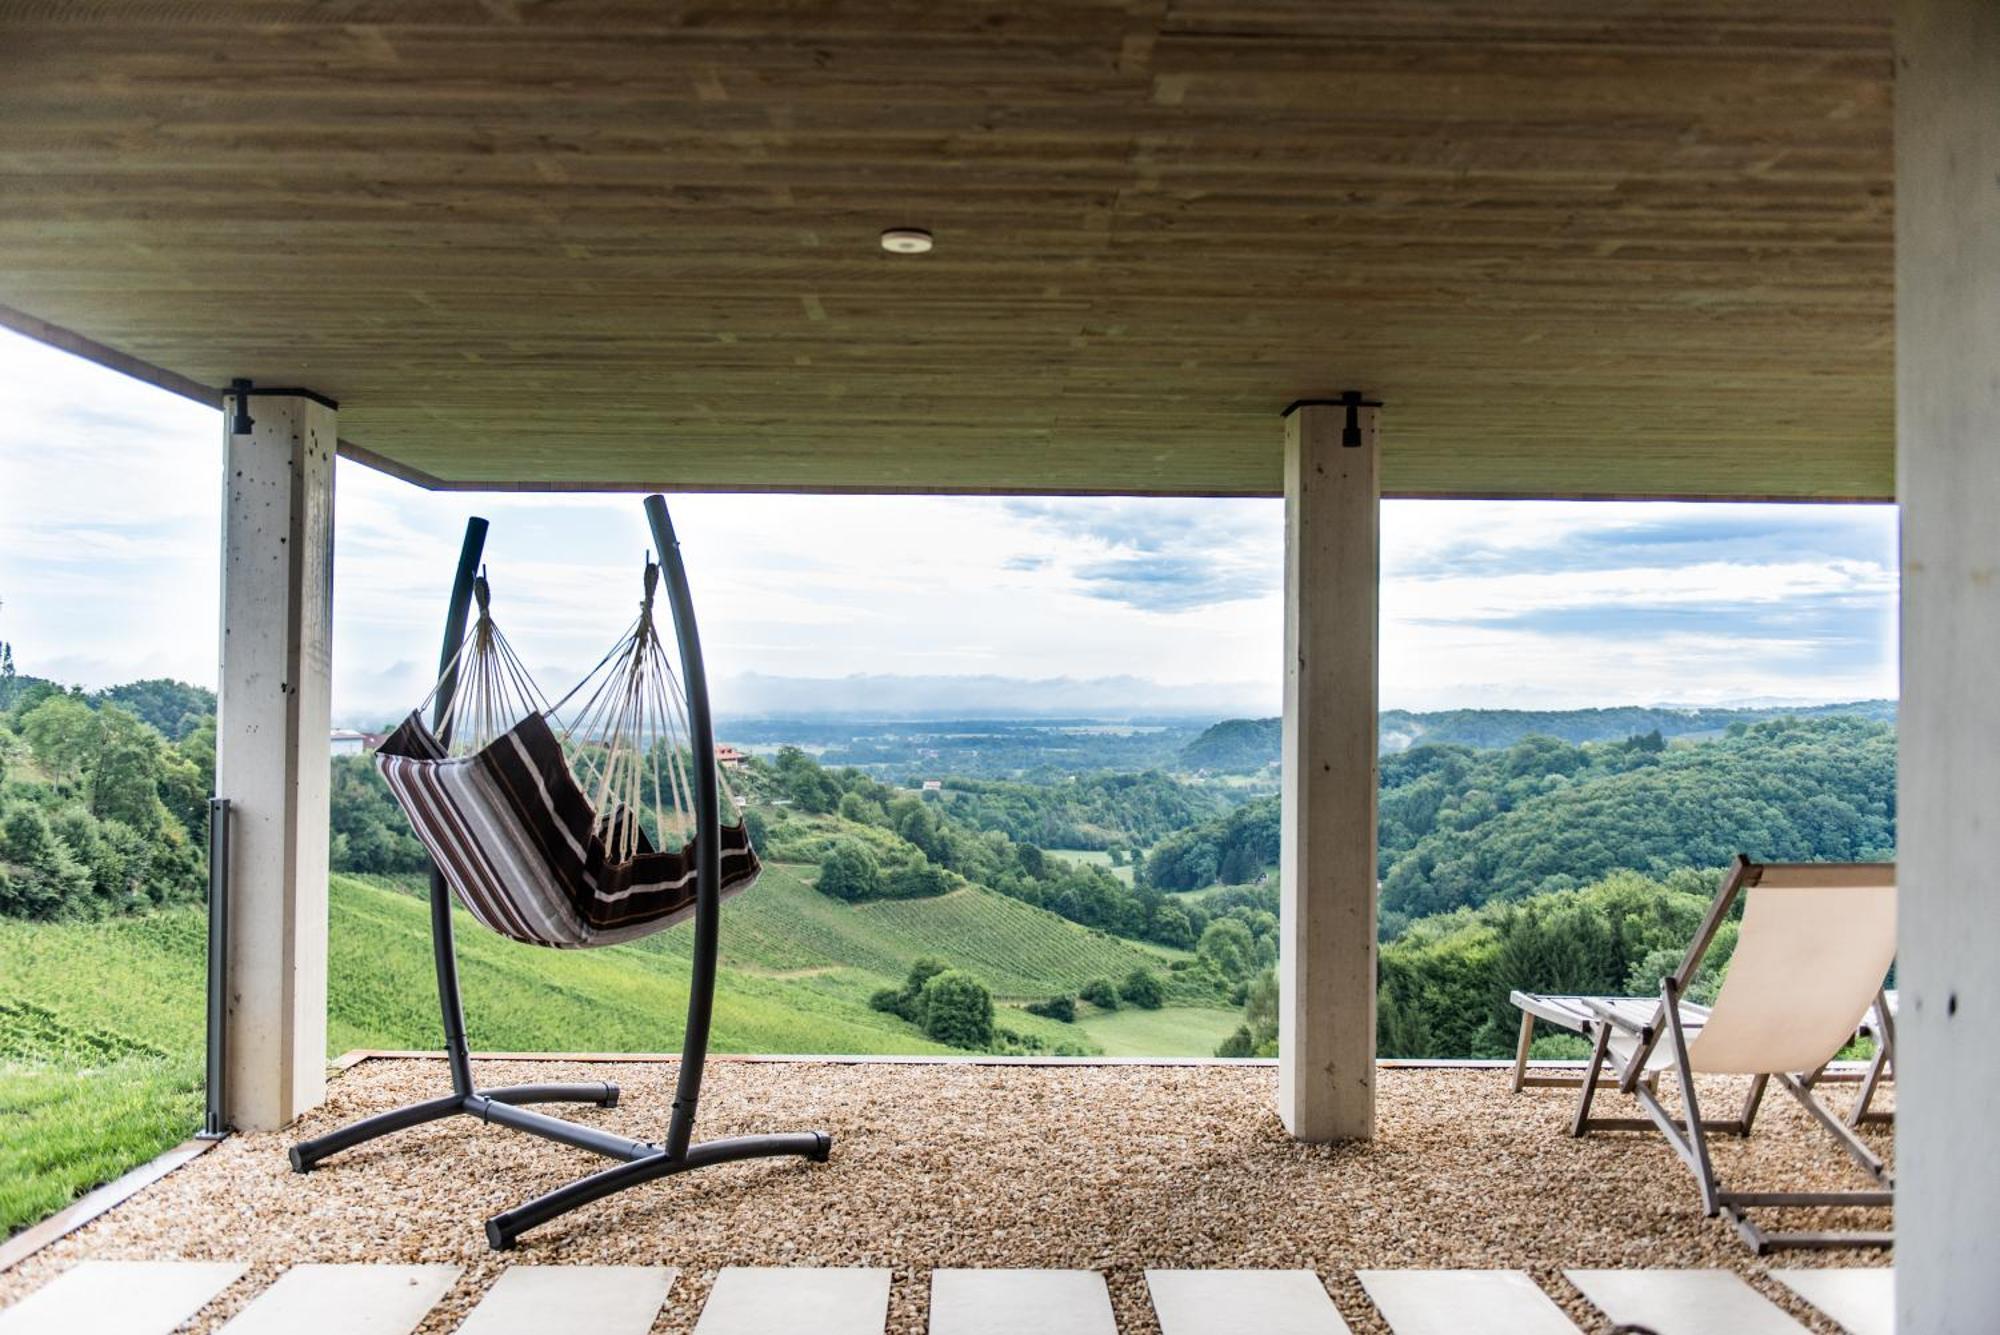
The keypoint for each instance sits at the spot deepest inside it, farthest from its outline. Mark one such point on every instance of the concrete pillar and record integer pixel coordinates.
(272, 762)
(1948, 480)
(1326, 954)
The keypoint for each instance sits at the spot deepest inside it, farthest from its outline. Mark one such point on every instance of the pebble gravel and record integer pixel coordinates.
(1112, 1168)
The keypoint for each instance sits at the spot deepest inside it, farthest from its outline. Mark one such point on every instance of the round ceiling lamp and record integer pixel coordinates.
(906, 241)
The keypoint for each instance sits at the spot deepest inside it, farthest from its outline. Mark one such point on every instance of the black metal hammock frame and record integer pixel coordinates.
(640, 1161)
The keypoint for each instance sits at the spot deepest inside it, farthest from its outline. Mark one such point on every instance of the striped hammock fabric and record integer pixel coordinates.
(526, 853)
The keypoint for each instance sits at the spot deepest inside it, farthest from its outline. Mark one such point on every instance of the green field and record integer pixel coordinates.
(1019, 951)
(94, 1080)
(1193, 1031)
(1094, 857)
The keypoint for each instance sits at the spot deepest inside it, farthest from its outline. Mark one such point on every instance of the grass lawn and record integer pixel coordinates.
(1172, 1031)
(1211, 891)
(63, 1132)
(1095, 857)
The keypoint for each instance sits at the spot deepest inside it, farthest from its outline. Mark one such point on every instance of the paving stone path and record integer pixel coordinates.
(155, 1297)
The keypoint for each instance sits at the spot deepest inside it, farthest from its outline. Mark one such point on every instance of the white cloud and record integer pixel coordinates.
(109, 495)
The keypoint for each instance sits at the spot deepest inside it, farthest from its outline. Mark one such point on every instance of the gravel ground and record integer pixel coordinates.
(1109, 1168)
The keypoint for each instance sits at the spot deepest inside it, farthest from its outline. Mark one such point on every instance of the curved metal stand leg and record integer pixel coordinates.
(503, 1228)
(308, 1153)
(600, 1092)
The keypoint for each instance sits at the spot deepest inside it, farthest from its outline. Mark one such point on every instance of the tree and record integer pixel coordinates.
(1142, 988)
(809, 787)
(918, 823)
(1257, 1036)
(126, 772)
(63, 734)
(956, 1008)
(903, 1000)
(173, 708)
(1100, 993)
(40, 875)
(1229, 947)
(1172, 926)
(948, 1004)
(859, 809)
(849, 871)
(370, 833)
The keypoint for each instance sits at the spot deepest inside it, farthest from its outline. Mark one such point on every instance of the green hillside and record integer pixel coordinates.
(784, 926)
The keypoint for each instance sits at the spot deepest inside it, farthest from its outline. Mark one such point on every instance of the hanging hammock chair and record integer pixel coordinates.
(536, 813)
(571, 827)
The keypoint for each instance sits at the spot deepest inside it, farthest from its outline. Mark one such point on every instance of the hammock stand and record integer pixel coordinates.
(641, 1161)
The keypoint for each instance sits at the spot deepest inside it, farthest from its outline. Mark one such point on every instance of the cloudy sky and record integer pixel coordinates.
(109, 492)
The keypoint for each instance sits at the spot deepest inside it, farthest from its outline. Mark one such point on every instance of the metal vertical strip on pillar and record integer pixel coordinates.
(215, 1118)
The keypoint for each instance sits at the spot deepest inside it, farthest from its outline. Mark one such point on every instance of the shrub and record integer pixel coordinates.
(918, 880)
(1142, 989)
(1006, 1041)
(957, 1009)
(1055, 1008)
(1100, 993)
(904, 1000)
(850, 872)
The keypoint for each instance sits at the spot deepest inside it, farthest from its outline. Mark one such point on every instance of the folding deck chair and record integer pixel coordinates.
(1814, 947)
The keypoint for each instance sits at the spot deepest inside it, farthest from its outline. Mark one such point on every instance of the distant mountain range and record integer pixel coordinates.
(886, 696)
(1246, 745)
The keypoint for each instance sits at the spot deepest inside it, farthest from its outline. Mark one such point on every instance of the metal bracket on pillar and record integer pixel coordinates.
(1351, 399)
(242, 423)
(244, 390)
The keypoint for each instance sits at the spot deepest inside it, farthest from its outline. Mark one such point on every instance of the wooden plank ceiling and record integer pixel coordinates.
(1579, 247)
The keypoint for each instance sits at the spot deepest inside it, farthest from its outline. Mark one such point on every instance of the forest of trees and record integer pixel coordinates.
(1460, 826)
(1095, 811)
(100, 813)
(1444, 982)
(1246, 746)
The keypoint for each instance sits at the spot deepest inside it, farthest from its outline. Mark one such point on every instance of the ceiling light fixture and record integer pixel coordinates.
(906, 241)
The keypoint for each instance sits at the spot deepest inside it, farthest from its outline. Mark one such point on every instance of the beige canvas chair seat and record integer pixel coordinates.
(1814, 946)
